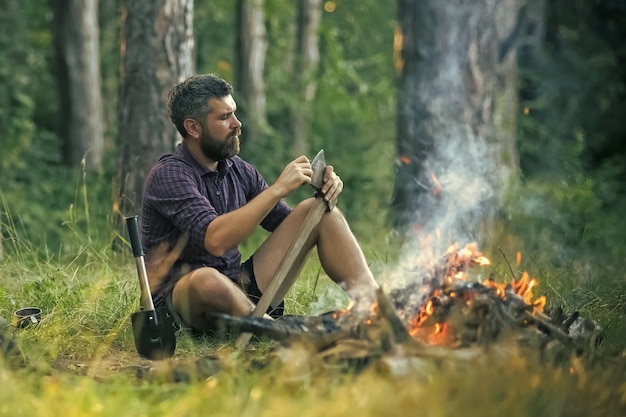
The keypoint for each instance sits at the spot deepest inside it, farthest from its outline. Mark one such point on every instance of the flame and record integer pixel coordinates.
(524, 288)
(405, 160)
(438, 334)
(499, 288)
(429, 308)
(397, 49)
(427, 328)
(437, 185)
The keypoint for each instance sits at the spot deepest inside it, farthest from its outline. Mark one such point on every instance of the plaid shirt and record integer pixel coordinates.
(181, 195)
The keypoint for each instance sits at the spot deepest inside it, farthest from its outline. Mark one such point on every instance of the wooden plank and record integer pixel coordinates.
(286, 268)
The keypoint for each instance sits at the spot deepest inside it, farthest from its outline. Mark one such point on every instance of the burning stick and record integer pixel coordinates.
(386, 309)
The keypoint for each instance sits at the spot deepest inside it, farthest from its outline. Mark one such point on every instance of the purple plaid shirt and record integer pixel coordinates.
(181, 195)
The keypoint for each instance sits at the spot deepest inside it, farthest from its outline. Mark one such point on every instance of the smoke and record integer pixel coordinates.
(460, 199)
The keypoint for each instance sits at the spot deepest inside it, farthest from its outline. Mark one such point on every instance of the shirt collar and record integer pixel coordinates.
(183, 152)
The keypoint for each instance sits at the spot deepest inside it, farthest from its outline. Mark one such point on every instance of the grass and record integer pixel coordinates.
(80, 360)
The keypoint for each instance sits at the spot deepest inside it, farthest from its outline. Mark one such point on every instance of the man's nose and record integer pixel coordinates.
(236, 123)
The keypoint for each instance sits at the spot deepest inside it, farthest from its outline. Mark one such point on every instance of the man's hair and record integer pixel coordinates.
(190, 99)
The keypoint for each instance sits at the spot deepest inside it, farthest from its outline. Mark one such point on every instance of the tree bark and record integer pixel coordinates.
(306, 63)
(76, 39)
(251, 49)
(157, 52)
(456, 107)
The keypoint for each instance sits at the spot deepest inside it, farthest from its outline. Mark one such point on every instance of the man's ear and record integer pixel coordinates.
(193, 128)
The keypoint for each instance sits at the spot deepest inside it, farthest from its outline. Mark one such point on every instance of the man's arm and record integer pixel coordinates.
(229, 230)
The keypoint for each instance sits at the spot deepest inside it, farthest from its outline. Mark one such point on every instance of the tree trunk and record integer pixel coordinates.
(157, 52)
(251, 49)
(306, 62)
(76, 38)
(456, 107)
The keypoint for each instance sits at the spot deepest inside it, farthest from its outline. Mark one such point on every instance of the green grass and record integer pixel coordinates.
(80, 360)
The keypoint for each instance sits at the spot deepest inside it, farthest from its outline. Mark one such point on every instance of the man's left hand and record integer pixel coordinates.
(332, 186)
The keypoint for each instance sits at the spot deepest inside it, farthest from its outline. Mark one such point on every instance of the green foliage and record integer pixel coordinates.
(25, 78)
(51, 215)
(567, 214)
(36, 189)
(573, 88)
(214, 35)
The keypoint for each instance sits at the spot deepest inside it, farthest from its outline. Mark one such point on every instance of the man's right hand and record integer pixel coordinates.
(297, 173)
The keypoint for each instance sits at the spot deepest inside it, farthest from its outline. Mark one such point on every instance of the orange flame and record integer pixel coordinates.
(420, 327)
(437, 187)
(524, 288)
(405, 160)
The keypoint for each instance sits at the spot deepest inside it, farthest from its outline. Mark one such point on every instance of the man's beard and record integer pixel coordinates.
(218, 150)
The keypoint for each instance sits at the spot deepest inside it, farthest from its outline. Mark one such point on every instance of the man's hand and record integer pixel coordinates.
(297, 173)
(332, 186)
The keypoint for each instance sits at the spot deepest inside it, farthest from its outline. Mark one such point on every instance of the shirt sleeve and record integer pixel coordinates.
(173, 191)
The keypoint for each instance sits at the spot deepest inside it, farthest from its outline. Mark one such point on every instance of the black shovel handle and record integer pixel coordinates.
(135, 242)
(133, 234)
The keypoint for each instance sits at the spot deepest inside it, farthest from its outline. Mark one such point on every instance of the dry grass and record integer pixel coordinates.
(496, 382)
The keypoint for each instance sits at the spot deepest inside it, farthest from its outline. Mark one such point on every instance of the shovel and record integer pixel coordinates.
(286, 268)
(153, 329)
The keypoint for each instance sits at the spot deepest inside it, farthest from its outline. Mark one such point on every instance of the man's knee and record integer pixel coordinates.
(206, 285)
(202, 291)
(307, 204)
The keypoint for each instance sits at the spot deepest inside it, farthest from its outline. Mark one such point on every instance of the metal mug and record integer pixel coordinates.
(26, 317)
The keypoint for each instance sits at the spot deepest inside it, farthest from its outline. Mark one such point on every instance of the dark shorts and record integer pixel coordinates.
(248, 284)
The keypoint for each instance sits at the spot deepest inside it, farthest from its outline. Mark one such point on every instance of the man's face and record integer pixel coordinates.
(221, 129)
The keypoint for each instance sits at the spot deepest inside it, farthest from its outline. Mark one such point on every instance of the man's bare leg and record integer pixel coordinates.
(339, 253)
(206, 290)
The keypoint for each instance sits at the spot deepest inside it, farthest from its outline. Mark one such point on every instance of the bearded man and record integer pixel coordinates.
(205, 194)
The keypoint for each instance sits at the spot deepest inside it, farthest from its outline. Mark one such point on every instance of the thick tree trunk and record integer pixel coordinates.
(456, 107)
(157, 52)
(76, 37)
(251, 49)
(306, 62)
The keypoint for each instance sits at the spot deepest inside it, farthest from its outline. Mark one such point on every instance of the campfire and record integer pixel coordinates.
(462, 313)
(439, 307)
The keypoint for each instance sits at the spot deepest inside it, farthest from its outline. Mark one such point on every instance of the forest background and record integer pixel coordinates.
(564, 209)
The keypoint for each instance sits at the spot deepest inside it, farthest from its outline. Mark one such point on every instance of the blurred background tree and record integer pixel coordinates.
(157, 48)
(251, 50)
(77, 48)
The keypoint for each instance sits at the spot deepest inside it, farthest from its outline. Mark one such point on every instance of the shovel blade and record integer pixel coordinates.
(155, 334)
